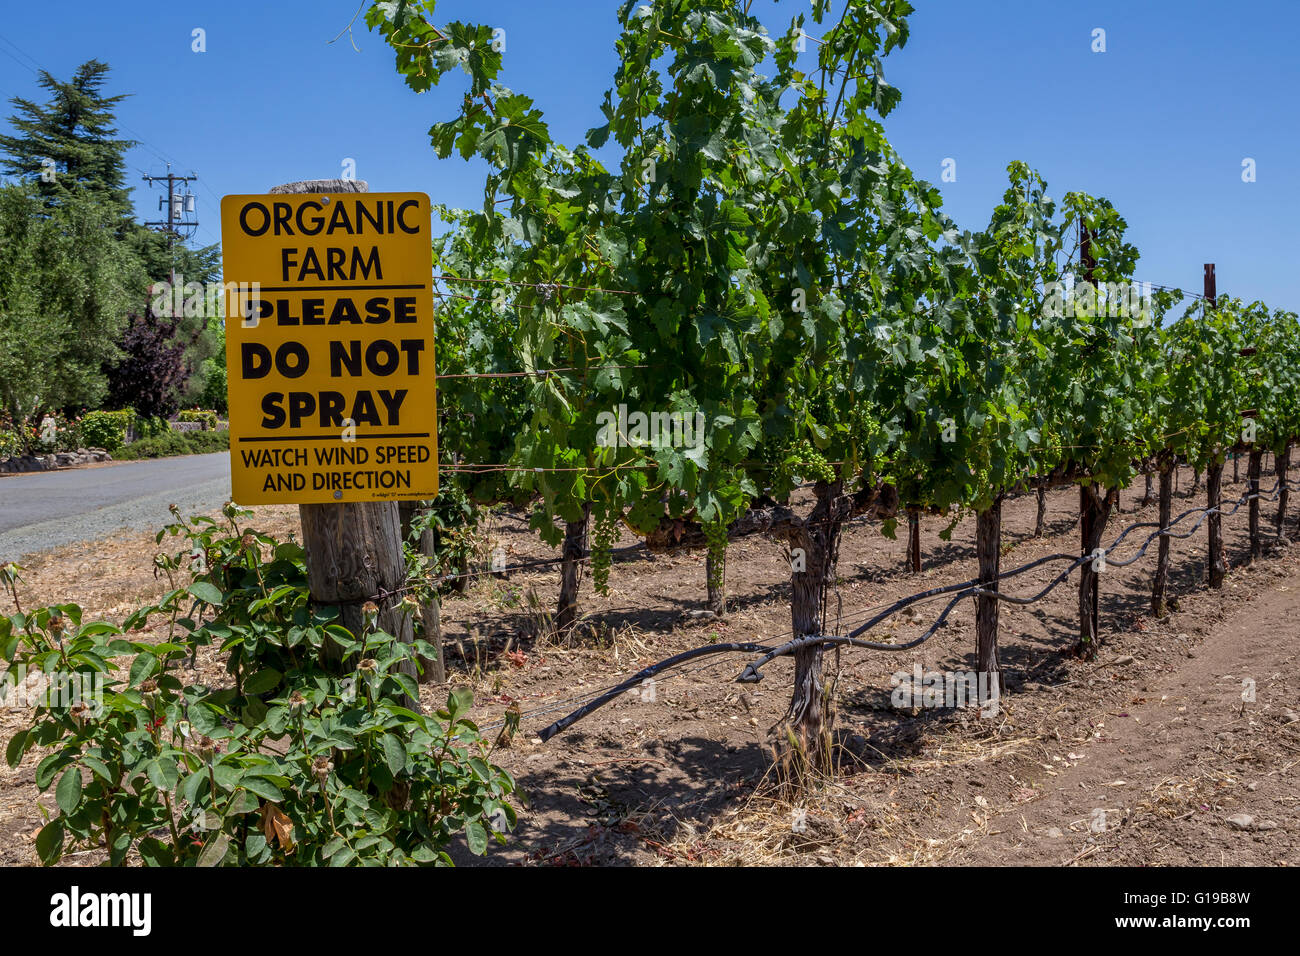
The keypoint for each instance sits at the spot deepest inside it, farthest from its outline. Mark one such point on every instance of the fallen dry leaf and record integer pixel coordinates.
(277, 827)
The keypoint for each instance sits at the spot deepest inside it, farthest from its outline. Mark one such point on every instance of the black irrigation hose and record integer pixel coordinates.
(537, 563)
(644, 675)
(971, 589)
(385, 596)
(750, 674)
(965, 589)
(1271, 495)
(550, 706)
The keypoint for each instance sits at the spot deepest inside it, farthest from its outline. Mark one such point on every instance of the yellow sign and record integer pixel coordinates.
(329, 347)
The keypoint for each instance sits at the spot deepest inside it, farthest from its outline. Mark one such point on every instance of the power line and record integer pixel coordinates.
(139, 140)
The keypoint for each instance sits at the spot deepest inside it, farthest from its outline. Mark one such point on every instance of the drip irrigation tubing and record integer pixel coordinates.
(972, 588)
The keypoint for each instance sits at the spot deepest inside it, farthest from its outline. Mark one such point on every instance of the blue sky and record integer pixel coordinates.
(1159, 123)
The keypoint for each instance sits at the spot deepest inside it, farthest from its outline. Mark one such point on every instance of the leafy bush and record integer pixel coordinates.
(207, 419)
(289, 765)
(205, 443)
(159, 446)
(106, 430)
(172, 443)
(11, 443)
(151, 427)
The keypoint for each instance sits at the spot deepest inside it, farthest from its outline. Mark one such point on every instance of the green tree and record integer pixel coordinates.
(67, 148)
(161, 259)
(207, 387)
(69, 144)
(66, 286)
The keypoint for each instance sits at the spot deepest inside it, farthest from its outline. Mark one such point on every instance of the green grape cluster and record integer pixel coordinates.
(810, 462)
(603, 531)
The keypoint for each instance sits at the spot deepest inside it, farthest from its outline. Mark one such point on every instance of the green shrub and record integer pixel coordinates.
(11, 443)
(288, 764)
(206, 443)
(106, 430)
(151, 427)
(453, 517)
(172, 443)
(204, 417)
(160, 446)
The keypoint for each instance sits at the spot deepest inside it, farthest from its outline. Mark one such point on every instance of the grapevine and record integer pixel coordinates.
(751, 248)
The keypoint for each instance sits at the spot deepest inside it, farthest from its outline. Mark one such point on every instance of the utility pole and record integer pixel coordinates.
(177, 207)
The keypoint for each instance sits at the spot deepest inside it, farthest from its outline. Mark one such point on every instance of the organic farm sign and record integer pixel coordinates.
(329, 347)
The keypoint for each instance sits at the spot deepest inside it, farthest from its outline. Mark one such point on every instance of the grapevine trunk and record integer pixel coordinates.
(1252, 489)
(988, 541)
(1214, 523)
(914, 540)
(810, 718)
(1158, 605)
(1094, 510)
(574, 553)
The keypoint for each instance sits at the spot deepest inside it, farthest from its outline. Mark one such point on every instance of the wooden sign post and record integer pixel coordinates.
(331, 380)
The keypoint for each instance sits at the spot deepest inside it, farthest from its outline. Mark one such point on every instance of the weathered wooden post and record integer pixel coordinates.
(354, 549)
(1217, 566)
(1168, 464)
(577, 547)
(332, 389)
(1252, 488)
(914, 540)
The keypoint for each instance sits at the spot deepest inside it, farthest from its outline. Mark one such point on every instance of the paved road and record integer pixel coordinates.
(49, 509)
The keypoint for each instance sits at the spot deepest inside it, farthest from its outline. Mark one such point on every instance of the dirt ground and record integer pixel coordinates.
(1140, 757)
